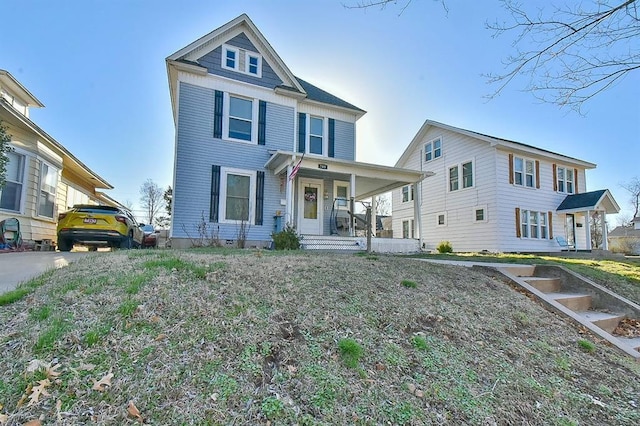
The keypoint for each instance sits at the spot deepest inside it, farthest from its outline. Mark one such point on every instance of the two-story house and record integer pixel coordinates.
(43, 178)
(257, 147)
(489, 193)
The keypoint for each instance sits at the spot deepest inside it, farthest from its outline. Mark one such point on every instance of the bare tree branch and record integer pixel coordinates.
(382, 4)
(573, 53)
(151, 199)
(633, 186)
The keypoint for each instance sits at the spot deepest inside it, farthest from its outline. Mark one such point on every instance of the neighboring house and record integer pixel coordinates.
(488, 193)
(257, 148)
(43, 178)
(626, 239)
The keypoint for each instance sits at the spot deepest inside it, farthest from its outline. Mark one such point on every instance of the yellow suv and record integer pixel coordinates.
(94, 226)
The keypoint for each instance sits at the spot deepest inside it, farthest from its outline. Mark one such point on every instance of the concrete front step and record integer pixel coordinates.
(606, 321)
(632, 342)
(520, 270)
(545, 285)
(574, 301)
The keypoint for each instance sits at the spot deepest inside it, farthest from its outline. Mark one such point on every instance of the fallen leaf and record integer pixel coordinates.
(160, 337)
(52, 372)
(34, 422)
(38, 391)
(35, 365)
(58, 408)
(101, 385)
(86, 367)
(134, 412)
(3, 419)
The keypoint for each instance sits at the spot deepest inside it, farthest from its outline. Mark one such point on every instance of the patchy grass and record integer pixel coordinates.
(250, 337)
(409, 283)
(620, 276)
(24, 289)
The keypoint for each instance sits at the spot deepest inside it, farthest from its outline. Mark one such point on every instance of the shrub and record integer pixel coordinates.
(586, 346)
(409, 283)
(287, 239)
(444, 247)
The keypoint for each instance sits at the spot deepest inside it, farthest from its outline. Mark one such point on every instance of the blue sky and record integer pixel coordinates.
(98, 66)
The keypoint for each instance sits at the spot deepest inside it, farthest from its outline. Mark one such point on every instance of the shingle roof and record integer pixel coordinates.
(580, 201)
(625, 231)
(316, 94)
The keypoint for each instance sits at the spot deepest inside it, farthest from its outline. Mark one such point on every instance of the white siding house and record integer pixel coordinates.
(489, 194)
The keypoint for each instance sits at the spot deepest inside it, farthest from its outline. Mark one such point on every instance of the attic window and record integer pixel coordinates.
(242, 61)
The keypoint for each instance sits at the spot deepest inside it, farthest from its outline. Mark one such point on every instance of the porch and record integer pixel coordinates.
(321, 196)
(585, 224)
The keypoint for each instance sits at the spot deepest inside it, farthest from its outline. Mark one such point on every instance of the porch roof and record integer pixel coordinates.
(371, 179)
(594, 200)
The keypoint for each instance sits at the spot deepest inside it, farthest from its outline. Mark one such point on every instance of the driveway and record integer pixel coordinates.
(17, 267)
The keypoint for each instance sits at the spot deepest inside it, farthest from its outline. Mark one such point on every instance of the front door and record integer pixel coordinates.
(570, 230)
(310, 206)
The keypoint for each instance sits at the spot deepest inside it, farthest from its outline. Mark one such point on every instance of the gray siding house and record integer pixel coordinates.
(257, 148)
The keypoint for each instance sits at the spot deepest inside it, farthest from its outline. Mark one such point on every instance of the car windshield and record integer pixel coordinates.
(148, 228)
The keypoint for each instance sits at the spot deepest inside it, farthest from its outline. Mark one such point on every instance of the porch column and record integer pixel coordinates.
(288, 215)
(352, 196)
(605, 243)
(374, 216)
(588, 230)
(417, 217)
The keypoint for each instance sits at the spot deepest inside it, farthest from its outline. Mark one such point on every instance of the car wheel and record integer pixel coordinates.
(93, 248)
(126, 242)
(64, 244)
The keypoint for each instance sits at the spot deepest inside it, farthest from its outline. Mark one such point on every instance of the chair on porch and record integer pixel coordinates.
(564, 244)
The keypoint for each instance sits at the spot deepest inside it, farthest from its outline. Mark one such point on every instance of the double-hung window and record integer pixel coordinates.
(565, 180)
(241, 60)
(408, 229)
(11, 192)
(230, 58)
(47, 196)
(533, 224)
(240, 118)
(523, 172)
(316, 131)
(237, 195)
(464, 170)
(407, 193)
(253, 64)
(433, 149)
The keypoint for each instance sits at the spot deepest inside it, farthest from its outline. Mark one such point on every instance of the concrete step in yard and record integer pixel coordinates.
(632, 342)
(574, 301)
(606, 321)
(545, 285)
(335, 243)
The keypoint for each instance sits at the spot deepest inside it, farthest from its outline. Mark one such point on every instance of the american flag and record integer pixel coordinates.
(295, 169)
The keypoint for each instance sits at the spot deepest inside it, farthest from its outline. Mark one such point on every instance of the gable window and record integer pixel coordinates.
(316, 140)
(48, 185)
(466, 171)
(523, 172)
(565, 180)
(11, 192)
(230, 58)
(433, 149)
(237, 192)
(407, 193)
(253, 64)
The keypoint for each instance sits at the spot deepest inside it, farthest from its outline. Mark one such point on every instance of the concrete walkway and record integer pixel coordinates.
(18, 267)
(469, 263)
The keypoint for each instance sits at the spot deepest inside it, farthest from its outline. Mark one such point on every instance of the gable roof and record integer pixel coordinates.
(493, 140)
(594, 200)
(13, 84)
(186, 59)
(625, 231)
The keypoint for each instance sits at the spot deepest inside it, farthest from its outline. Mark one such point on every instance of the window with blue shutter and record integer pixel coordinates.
(215, 194)
(217, 115)
(262, 122)
(259, 197)
(332, 137)
(302, 131)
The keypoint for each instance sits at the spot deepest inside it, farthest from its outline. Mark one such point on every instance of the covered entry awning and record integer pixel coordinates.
(600, 200)
(370, 179)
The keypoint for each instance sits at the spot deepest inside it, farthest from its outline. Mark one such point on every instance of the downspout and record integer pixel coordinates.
(418, 201)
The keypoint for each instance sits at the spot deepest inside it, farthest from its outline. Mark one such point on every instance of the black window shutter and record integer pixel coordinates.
(332, 137)
(259, 197)
(215, 194)
(217, 115)
(262, 122)
(302, 132)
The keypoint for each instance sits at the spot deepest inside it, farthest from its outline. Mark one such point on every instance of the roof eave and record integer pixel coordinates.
(34, 101)
(355, 111)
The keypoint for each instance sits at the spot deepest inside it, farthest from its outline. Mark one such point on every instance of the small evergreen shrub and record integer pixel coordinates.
(444, 247)
(287, 239)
